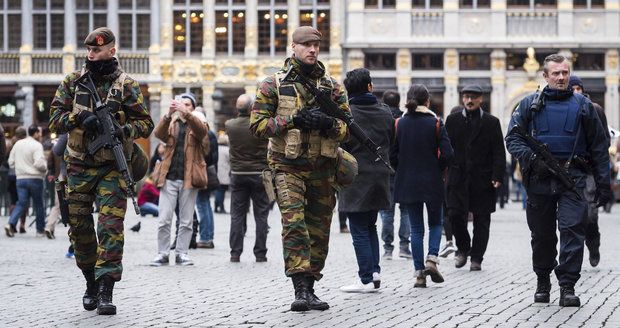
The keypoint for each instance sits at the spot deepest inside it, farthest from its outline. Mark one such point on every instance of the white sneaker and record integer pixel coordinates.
(183, 259)
(359, 287)
(447, 249)
(160, 260)
(376, 279)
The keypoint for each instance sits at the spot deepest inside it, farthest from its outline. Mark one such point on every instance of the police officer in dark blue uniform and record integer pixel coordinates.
(570, 127)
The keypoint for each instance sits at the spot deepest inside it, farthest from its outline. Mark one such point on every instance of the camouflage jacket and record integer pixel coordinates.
(266, 123)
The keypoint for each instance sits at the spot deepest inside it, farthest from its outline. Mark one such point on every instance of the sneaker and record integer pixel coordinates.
(49, 234)
(10, 230)
(69, 255)
(160, 260)
(405, 253)
(447, 249)
(387, 255)
(205, 244)
(376, 279)
(359, 287)
(184, 260)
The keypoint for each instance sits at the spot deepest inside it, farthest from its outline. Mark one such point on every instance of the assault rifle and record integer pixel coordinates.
(330, 108)
(106, 137)
(552, 164)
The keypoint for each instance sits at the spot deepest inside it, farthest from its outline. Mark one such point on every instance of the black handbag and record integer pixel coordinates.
(212, 181)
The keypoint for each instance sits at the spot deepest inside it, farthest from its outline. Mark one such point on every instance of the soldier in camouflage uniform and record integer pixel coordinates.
(302, 155)
(95, 177)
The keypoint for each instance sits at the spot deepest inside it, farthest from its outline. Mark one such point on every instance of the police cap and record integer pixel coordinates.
(99, 37)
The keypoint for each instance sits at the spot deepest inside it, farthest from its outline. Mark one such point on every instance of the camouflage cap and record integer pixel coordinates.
(139, 163)
(346, 169)
(99, 37)
(305, 34)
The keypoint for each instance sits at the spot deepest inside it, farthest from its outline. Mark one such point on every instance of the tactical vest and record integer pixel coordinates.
(79, 140)
(296, 142)
(559, 126)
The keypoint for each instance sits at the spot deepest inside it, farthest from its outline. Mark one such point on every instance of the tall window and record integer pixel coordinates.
(427, 61)
(48, 26)
(474, 4)
(89, 15)
(10, 25)
(588, 4)
(532, 4)
(588, 61)
(315, 13)
(230, 26)
(134, 24)
(188, 25)
(380, 4)
(272, 26)
(380, 61)
(474, 61)
(427, 4)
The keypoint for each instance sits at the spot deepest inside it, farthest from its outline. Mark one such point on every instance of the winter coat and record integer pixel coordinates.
(479, 159)
(248, 154)
(370, 191)
(195, 149)
(223, 164)
(419, 170)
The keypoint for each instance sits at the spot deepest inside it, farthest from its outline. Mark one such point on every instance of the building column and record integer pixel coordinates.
(612, 100)
(155, 48)
(336, 17)
(451, 19)
(28, 110)
(155, 109)
(208, 104)
(498, 81)
(208, 30)
(25, 51)
(113, 16)
(451, 79)
(165, 29)
(292, 23)
(355, 59)
(498, 19)
(68, 58)
(565, 19)
(251, 29)
(403, 73)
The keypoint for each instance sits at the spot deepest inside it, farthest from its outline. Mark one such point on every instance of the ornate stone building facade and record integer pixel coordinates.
(219, 49)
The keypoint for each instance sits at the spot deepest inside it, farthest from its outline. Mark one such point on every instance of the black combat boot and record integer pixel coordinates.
(301, 293)
(104, 299)
(314, 303)
(595, 256)
(89, 300)
(568, 297)
(543, 289)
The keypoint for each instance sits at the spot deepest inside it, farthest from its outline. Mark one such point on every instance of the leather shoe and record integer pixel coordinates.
(460, 260)
(475, 266)
(235, 258)
(261, 259)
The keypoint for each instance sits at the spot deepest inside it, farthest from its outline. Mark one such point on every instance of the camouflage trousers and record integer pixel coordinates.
(102, 251)
(306, 199)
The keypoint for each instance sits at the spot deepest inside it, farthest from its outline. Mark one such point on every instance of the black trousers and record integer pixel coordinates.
(476, 246)
(244, 188)
(570, 211)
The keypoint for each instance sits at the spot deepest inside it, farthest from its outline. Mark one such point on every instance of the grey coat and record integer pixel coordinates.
(371, 189)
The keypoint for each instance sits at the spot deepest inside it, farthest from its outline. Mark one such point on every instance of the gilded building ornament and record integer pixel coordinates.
(166, 37)
(187, 71)
(166, 71)
(208, 71)
(250, 72)
(335, 69)
(451, 58)
(612, 60)
(498, 64)
(68, 61)
(531, 65)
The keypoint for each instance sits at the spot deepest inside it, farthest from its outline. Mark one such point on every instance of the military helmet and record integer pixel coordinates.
(346, 169)
(139, 163)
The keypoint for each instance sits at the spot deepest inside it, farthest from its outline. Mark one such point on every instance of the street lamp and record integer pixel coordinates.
(20, 100)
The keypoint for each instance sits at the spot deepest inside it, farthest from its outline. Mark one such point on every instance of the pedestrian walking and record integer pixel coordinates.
(206, 227)
(420, 154)
(181, 174)
(474, 176)
(248, 159)
(60, 174)
(392, 99)
(304, 172)
(370, 191)
(568, 124)
(95, 177)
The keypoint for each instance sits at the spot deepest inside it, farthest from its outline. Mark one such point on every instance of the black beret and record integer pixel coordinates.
(472, 88)
(99, 37)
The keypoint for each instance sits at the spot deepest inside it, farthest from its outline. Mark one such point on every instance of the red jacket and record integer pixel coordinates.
(148, 193)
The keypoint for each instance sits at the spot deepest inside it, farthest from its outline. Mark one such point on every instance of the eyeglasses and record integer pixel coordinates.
(470, 96)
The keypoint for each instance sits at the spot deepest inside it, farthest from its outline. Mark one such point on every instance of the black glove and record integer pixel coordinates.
(320, 121)
(603, 195)
(539, 168)
(88, 121)
(123, 132)
(303, 119)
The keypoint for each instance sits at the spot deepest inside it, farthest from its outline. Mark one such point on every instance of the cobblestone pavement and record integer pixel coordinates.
(41, 288)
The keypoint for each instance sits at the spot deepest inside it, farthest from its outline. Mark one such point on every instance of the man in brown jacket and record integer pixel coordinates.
(181, 173)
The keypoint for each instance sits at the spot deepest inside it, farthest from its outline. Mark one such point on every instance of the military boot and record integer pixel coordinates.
(89, 300)
(568, 297)
(301, 293)
(314, 303)
(595, 256)
(543, 289)
(104, 299)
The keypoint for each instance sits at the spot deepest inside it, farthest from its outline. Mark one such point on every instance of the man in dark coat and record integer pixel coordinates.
(477, 171)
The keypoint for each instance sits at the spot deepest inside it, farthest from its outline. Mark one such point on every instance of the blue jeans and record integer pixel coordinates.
(205, 215)
(363, 227)
(416, 216)
(220, 193)
(26, 189)
(387, 231)
(149, 208)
